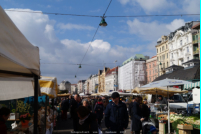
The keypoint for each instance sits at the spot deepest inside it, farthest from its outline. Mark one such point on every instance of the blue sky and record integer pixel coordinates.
(65, 39)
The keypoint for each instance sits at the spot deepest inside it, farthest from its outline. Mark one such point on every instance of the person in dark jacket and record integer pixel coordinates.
(98, 110)
(137, 116)
(116, 115)
(85, 103)
(4, 115)
(145, 110)
(76, 102)
(87, 121)
(64, 108)
(130, 111)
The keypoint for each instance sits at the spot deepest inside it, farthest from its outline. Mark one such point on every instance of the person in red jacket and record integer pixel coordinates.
(4, 115)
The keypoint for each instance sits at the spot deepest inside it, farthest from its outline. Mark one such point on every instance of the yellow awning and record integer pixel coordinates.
(49, 86)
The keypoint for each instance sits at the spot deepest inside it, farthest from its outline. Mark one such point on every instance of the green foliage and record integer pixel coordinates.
(174, 124)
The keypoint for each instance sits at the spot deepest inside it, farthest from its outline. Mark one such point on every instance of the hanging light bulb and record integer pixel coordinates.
(75, 76)
(80, 66)
(103, 23)
(160, 63)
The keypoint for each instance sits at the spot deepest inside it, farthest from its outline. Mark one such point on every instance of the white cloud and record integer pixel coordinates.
(153, 30)
(40, 31)
(172, 6)
(175, 24)
(124, 2)
(98, 10)
(191, 6)
(48, 6)
(70, 26)
(149, 5)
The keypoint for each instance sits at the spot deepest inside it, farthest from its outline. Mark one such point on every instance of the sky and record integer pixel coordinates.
(63, 40)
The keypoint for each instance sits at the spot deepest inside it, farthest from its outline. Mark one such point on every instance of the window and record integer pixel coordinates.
(149, 66)
(180, 42)
(166, 46)
(149, 72)
(172, 63)
(153, 71)
(187, 49)
(167, 64)
(172, 46)
(187, 39)
(160, 49)
(153, 64)
(172, 55)
(157, 50)
(187, 58)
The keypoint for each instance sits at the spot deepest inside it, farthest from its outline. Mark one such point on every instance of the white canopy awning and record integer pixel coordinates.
(17, 54)
(15, 88)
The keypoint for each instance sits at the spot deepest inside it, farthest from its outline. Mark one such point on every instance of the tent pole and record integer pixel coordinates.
(46, 100)
(168, 113)
(35, 104)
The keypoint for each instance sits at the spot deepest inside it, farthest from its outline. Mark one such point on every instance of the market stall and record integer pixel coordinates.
(49, 88)
(162, 87)
(20, 66)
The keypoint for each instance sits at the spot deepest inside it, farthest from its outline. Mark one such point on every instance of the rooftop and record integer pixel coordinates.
(112, 70)
(136, 57)
(182, 74)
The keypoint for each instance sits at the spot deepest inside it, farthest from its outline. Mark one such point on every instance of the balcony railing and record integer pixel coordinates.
(195, 41)
(196, 52)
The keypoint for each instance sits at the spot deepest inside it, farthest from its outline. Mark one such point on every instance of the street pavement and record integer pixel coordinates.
(66, 127)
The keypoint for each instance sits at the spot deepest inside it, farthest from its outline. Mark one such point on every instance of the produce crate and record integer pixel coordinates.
(162, 128)
(184, 132)
(185, 127)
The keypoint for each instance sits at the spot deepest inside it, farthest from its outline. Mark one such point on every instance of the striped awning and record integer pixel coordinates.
(192, 85)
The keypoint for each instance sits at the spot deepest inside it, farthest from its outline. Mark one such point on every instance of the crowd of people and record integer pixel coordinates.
(88, 113)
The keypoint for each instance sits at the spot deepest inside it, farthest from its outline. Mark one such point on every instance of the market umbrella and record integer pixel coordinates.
(165, 83)
(158, 91)
(122, 94)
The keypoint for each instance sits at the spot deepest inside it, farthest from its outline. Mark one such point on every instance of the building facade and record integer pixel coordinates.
(111, 80)
(94, 83)
(196, 41)
(80, 86)
(152, 69)
(132, 73)
(181, 44)
(73, 88)
(162, 50)
(101, 79)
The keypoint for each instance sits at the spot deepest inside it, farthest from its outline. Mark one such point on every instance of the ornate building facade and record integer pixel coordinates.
(181, 44)
(152, 69)
(111, 80)
(101, 79)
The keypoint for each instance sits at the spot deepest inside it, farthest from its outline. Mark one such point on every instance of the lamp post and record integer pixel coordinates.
(158, 67)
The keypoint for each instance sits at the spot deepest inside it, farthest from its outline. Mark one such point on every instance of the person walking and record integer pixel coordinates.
(76, 102)
(145, 110)
(87, 121)
(130, 111)
(86, 104)
(137, 116)
(98, 110)
(116, 115)
(64, 108)
(4, 115)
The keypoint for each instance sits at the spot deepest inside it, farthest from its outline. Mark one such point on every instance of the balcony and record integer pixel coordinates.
(196, 52)
(195, 39)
